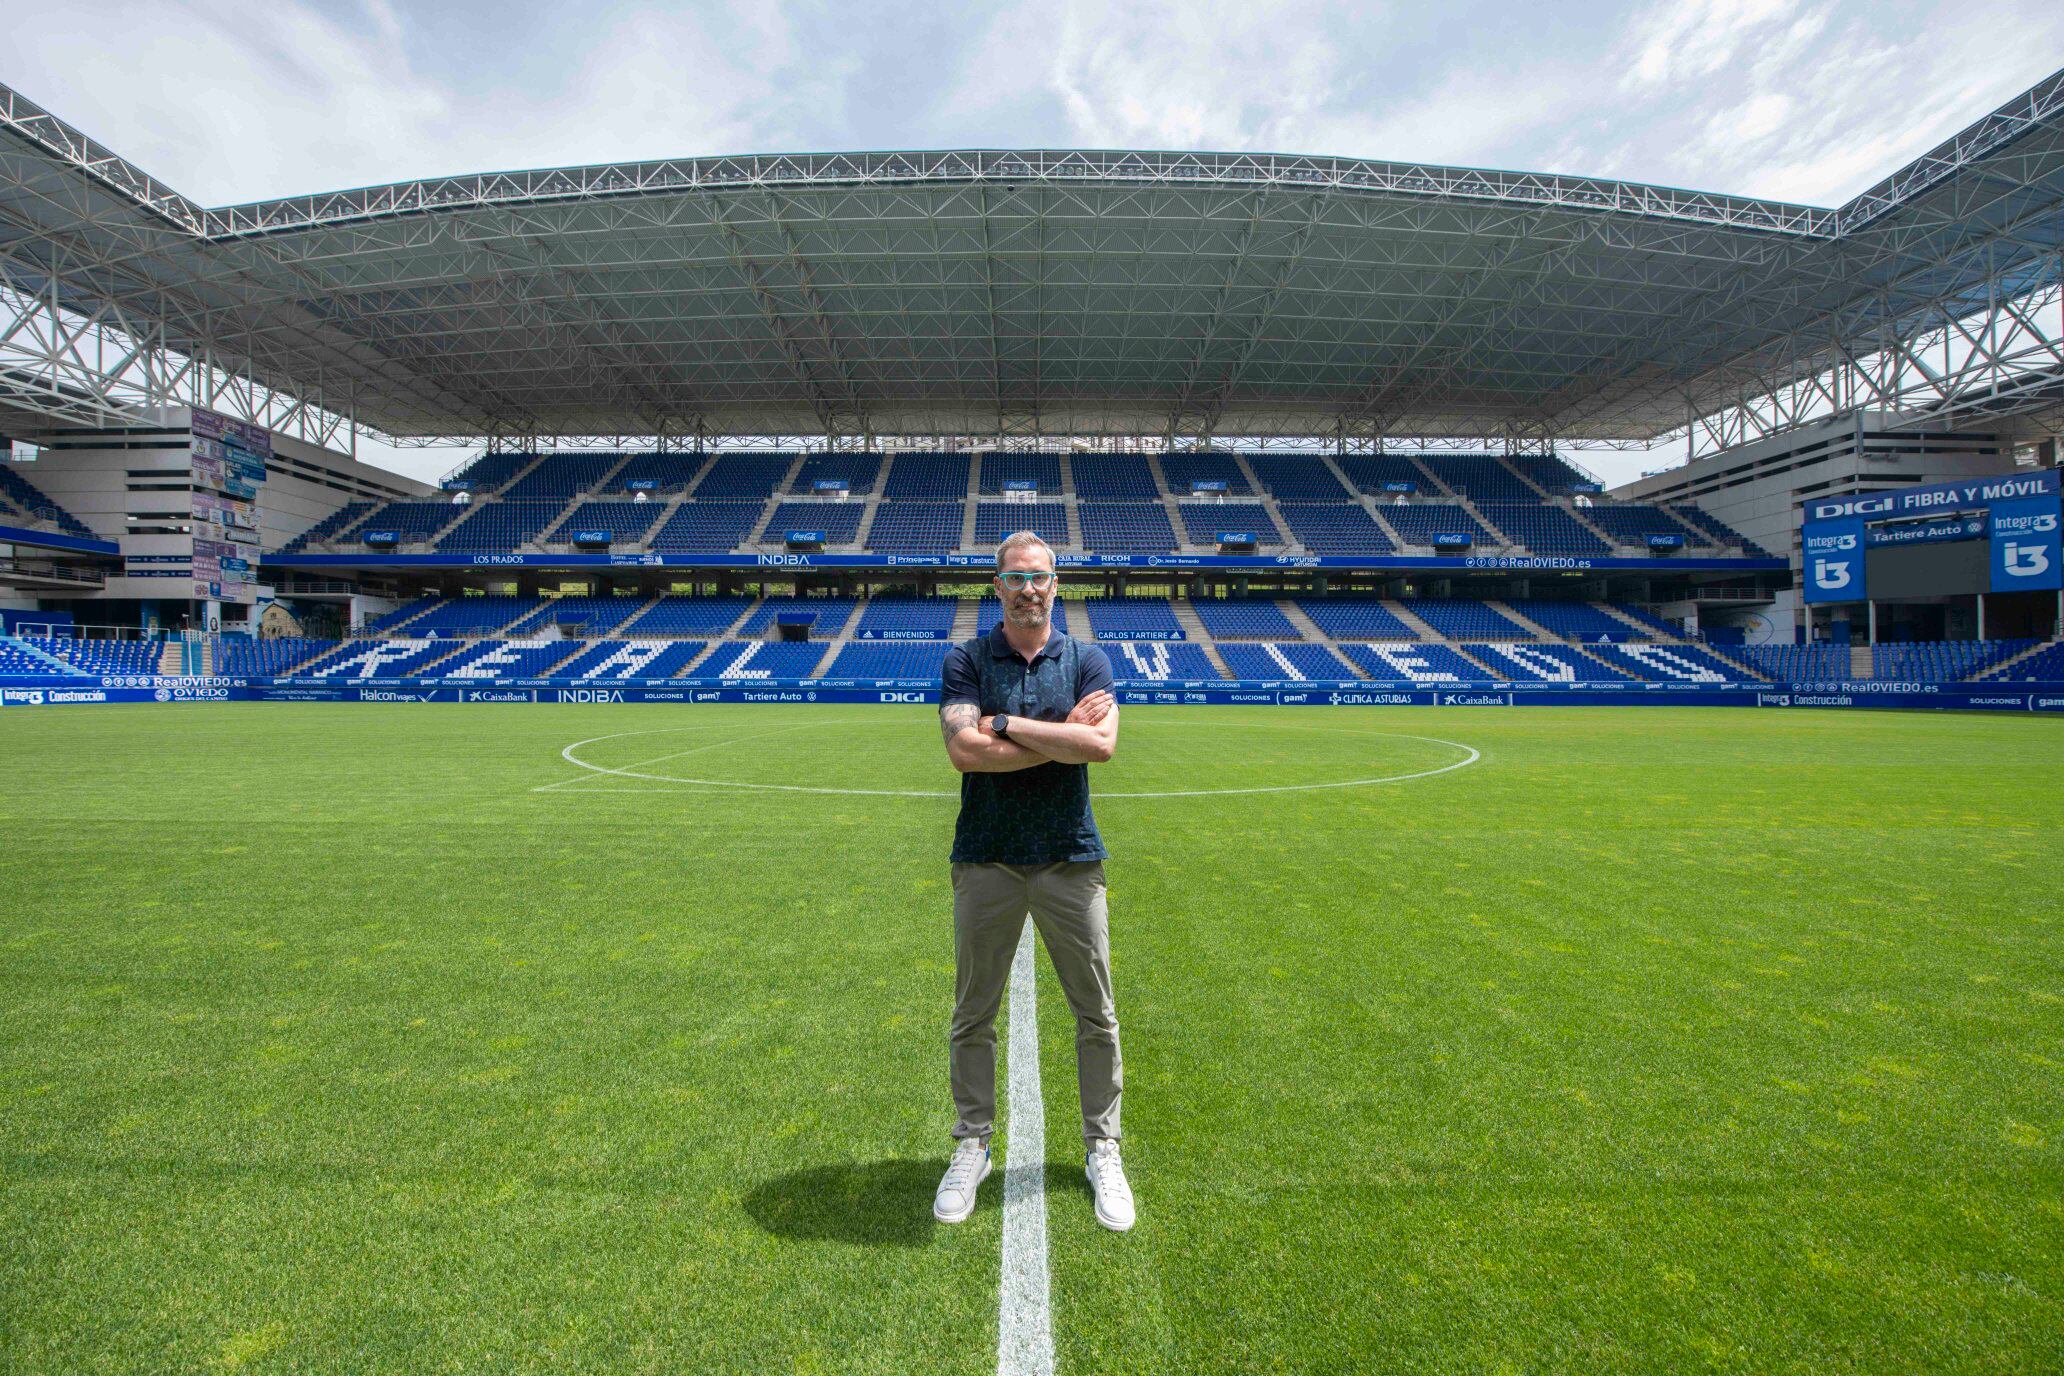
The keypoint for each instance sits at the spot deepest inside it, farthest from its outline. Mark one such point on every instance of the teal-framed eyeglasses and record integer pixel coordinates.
(1017, 580)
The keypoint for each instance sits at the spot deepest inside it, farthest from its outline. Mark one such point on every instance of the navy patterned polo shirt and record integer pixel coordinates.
(1029, 816)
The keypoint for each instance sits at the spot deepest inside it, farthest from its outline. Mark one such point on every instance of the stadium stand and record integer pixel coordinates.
(669, 473)
(413, 522)
(559, 478)
(475, 616)
(501, 525)
(1542, 528)
(322, 530)
(1633, 524)
(743, 477)
(1126, 528)
(1937, 661)
(276, 658)
(395, 658)
(1797, 661)
(1294, 660)
(1648, 619)
(889, 659)
(1673, 663)
(710, 527)
(1481, 478)
(1299, 478)
(614, 659)
(100, 656)
(1344, 528)
(915, 527)
(1574, 620)
(763, 659)
(928, 478)
(999, 469)
(686, 616)
(1420, 522)
(490, 471)
(386, 621)
(1183, 470)
(17, 657)
(907, 618)
(1243, 619)
(990, 611)
(995, 520)
(1550, 472)
(1203, 522)
(507, 659)
(1158, 661)
(832, 614)
(1412, 662)
(1114, 478)
(625, 522)
(1461, 618)
(2045, 665)
(582, 617)
(1355, 618)
(1131, 618)
(1369, 473)
(859, 472)
(1534, 661)
(1724, 534)
(838, 522)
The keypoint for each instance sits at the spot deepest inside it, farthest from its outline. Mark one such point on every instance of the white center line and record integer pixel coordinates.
(1024, 1331)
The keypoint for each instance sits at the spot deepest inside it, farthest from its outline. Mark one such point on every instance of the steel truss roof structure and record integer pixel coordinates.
(1033, 294)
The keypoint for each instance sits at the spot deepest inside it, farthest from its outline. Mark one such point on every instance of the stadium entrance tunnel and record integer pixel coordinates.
(1166, 753)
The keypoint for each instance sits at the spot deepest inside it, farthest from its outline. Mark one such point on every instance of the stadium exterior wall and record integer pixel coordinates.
(51, 691)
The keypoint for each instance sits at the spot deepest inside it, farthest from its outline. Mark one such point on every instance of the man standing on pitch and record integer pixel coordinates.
(1025, 710)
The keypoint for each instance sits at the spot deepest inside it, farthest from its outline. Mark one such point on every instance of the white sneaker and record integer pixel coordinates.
(1107, 1178)
(964, 1175)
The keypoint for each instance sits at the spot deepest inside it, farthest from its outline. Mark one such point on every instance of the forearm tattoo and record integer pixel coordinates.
(956, 717)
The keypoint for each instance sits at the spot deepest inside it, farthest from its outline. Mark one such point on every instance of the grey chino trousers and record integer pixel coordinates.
(1067, 903)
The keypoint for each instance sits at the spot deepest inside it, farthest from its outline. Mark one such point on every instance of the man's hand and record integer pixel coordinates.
(1093, 708)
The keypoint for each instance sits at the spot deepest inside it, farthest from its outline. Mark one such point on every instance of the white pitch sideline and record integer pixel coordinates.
(1024, 1329)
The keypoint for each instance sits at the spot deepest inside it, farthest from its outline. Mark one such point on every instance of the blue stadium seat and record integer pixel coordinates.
(1291, 660)
(888, 659)
(907, 618)
(1574, 620)
(1114, 478)
(1480, 478)
(277, 657)
(1340, 528)
(123, 657)
(412, 522)
(490, 471)
(1673, 663)
(1126, 528)
(995, 520)
(690, 616)
(1412, 662)
(1203, 522)
(559, 478)
(839, 522)
(859, 472)
(998, 469)
(1419, 523)
(586, 617)
(338, 520)
(636, 658)
(1130, 618)
(1542, 528)
(1355, 618)
(470, 616)
(1158, 661)
(1787, 662)
(1463, 618)
(498, 524)
(389, 658)
(1531, 661)
(915, 527)
(708, 526)
(927, 478)
(625, 521)
(832, 614)
(1298, 478)
(508, 659)
(669, 473)
(2044, 666)
(743, 477)
(1938, 661)
(1370, 472)
(1182, 470)
(1632, 524)
(1251, 618)
(777, 660)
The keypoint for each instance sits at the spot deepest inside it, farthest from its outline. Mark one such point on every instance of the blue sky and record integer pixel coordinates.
(1809, 102)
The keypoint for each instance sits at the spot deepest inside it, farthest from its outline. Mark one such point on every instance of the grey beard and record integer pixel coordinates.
(1026, 616)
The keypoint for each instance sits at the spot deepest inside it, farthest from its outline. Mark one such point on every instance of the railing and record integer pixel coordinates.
(59, 573)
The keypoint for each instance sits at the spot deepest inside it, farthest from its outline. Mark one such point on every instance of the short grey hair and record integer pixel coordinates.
(1018, 540)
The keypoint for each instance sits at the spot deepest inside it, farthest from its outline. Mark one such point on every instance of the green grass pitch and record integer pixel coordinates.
(383, 1038)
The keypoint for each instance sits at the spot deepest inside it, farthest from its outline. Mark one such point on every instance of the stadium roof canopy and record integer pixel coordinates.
(1038, 292)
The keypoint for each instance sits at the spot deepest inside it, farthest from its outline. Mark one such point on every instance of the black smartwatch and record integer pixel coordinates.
(1000, 724)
